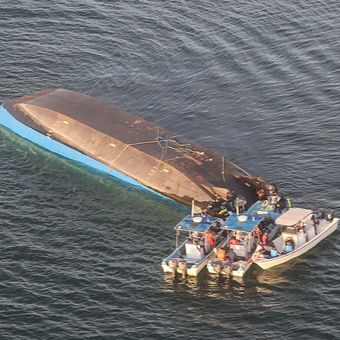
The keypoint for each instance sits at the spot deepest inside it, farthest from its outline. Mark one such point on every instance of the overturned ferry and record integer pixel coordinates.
(86, 130)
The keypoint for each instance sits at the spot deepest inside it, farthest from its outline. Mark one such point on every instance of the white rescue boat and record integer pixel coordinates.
(301, 230)
(192, 255)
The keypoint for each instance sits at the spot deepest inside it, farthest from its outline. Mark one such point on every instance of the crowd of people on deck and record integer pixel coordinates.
(271, 199)
(226, 254)
(289, 245)
(222, 208)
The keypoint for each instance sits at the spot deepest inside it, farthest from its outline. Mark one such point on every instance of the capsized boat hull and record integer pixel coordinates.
(86, 130)
(7, 120)
(276, 261)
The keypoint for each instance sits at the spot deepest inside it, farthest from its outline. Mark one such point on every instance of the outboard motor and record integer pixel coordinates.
(226, 270)
(173, 264)
(217, 267)
(182, 266)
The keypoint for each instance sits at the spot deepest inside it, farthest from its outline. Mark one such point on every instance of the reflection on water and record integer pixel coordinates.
(292, 273)
(272, 109)
(211, 286)
(257, 281)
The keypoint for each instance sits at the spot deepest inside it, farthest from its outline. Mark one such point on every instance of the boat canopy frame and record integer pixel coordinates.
(188, 225)
(244, 223)
(293, 216)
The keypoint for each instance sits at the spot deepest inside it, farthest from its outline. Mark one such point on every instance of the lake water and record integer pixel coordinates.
(257, 81)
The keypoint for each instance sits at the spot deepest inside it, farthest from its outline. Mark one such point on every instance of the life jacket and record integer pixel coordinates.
(223, 211)
(220, 254)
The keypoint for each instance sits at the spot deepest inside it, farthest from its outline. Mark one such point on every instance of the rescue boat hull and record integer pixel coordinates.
(273, 262)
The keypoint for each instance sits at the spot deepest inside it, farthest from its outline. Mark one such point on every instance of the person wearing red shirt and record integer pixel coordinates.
(265, 239)
(234, 240)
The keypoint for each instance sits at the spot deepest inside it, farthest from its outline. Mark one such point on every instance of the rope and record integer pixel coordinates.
(166, 144)
(223, 176)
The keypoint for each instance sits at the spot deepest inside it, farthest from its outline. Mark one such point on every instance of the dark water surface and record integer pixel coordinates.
(258, 81)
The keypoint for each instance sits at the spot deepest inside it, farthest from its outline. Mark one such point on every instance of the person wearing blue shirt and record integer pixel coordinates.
(289, 245)
(274, 252)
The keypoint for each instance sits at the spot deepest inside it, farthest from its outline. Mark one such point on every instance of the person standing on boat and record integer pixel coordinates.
(277, 201)
(209, 240)
(230, 201)
(216, 227)
(265, 238)
(215, 206)
(261, 194)
(272, 194)
(232, 255)
(257, 234)
(229, 205)
(195, 239)
(316, 223)
(299, 226)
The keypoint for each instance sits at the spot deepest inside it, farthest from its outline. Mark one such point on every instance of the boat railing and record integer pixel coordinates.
(177, 252)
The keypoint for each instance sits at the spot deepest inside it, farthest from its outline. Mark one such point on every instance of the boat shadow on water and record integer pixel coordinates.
(205, 285)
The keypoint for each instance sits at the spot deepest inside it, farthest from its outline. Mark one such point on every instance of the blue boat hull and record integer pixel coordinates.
(8, 121)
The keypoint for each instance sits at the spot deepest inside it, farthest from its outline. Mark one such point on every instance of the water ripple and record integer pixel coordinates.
(256, 81)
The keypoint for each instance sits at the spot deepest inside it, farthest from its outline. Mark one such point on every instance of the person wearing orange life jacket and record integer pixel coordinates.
(220, 254)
